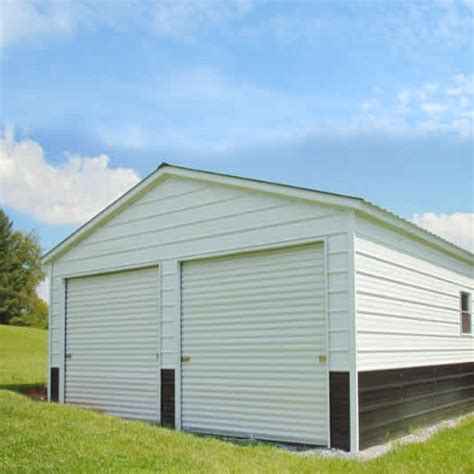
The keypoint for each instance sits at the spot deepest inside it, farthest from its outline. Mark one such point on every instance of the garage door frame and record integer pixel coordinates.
(247, 250)
(84, 274)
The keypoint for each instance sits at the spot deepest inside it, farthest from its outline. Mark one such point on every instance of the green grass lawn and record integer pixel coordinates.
(41, 437)
(23, 356)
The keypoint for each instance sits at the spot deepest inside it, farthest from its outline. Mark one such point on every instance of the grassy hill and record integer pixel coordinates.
(23, 355)
(42, 437)
(48, 437)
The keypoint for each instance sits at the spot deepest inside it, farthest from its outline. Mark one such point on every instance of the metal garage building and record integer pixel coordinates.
(226, 305)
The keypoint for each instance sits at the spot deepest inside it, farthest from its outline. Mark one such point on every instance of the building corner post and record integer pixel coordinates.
(353, 369)
(49, 273)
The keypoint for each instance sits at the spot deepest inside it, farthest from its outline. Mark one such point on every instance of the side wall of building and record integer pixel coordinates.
(413, 361)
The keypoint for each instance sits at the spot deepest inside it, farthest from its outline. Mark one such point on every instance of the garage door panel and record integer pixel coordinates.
(259, 262)
(112, 341)
(229, 286)
(113, 373)
(261, 430)
(98, 319)
(213, 315)
(254, 326)
(88, 302)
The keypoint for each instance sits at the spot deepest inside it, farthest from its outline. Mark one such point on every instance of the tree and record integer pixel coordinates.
(35, 316)
(20, 270)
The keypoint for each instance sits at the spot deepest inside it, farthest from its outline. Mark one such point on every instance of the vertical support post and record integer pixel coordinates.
(328, 355)
(178, 352)
(353, 370)
(170, 346)
(62, 355)
(159, 325)
(50, 273)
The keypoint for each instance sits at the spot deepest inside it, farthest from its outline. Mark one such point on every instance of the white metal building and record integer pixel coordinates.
(226, 305)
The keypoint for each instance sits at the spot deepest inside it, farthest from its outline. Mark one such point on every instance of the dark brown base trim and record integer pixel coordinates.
(54, 381)
(168, 397)
(340, 410)
(391, 402)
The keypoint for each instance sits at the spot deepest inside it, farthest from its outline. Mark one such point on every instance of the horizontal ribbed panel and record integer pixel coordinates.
(112, 335)
(408, 309)
(254, 326)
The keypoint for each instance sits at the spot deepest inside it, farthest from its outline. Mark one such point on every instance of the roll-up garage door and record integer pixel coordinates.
(254, 345)
(112, 342)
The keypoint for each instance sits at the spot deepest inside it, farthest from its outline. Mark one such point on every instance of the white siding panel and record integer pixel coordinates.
(254, 326)
(170, 328)
(232, 212)
(385, 287)
(56, 329)
(408, 303)
(219, 240)
(112, 342)
(411, 254)
(338, 301)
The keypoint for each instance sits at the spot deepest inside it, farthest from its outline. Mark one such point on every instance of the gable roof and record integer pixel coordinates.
(164, 170)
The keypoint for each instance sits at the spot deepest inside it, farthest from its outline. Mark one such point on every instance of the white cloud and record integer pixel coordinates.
(183, 19)
(223, 113)
(458, 228)
(68, 193)
(131, 136)
(447, 23)
(24, 20)
(431, 87)
(465, 102)
(368, 104)
(453, 91)
(444, 22)
(441, 23)
(432, 107)
(465, 83)
(287, 28)
(404, 96)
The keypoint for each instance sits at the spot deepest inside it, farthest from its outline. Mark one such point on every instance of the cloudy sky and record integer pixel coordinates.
(364, 98)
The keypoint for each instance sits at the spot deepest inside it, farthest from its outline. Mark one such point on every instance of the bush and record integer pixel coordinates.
(35, 316)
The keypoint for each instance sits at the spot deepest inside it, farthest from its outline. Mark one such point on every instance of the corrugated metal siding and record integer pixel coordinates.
(182, 219)
(408, 308)
(112, 336)
(170, 314)
(254, 326)
(394, 401)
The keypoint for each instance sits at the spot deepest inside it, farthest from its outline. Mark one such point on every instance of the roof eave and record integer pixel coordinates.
(395, 222)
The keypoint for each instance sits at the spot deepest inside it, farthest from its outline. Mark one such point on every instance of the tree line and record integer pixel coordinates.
(20, 274)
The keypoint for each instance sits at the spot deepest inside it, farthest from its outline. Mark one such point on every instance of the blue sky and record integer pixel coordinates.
(364, 98)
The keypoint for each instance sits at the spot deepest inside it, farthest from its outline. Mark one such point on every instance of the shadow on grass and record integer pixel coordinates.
(35, 391)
